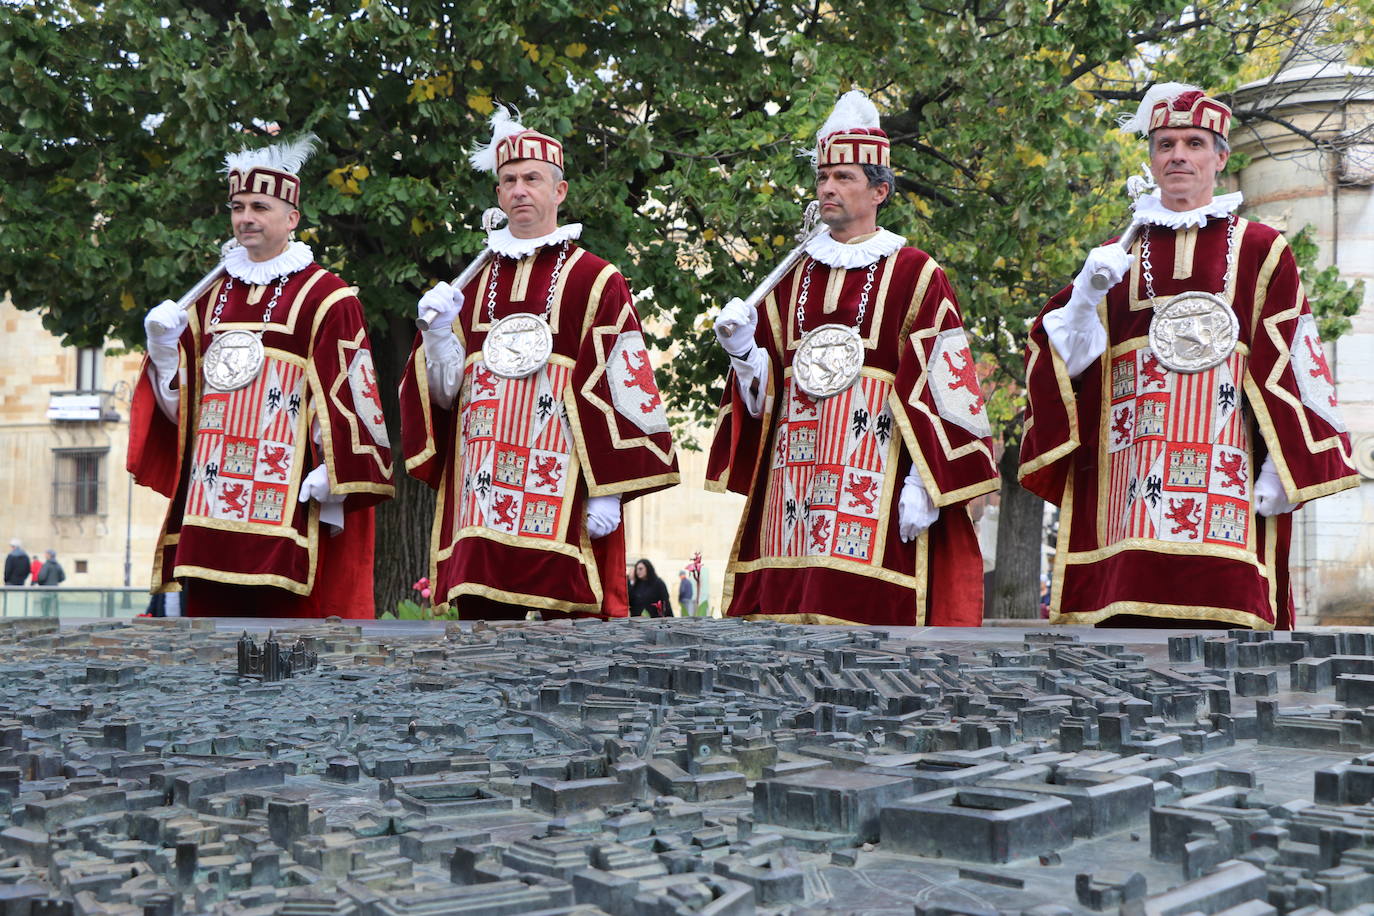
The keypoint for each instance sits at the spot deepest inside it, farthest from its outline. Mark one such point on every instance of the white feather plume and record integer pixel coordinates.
(287, 156)
(854, 109)
(1140, 121)
(503, 125)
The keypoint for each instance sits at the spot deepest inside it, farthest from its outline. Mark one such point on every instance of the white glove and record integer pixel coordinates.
(1111, 258)
(915, 511)
(603, 515)
(445, 301)
(1270, 498)
(1075, 331)
(735, 326)
(316, 486)
(164, 325)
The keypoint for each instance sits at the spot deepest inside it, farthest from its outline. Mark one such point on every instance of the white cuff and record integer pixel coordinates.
(163, 371)
(443, 365)
(751, 377)
(603, 515)
(1077, 334)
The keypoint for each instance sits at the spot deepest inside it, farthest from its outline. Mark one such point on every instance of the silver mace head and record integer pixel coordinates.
(810, 217)
(492, 217)
(1139, 185)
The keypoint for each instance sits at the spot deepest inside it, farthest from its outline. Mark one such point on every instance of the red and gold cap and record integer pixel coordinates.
(511, 141)
(270, 170)
(851, 134)
(1179, 105)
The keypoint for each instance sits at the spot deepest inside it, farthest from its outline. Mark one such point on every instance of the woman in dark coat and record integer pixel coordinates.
(648, 594)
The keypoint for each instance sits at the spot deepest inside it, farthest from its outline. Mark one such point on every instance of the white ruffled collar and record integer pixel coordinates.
(1149, 209)
(849, 255)
(503, 243)
(259, 273)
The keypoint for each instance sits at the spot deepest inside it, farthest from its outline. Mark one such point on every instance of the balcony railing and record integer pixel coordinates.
(81, 406)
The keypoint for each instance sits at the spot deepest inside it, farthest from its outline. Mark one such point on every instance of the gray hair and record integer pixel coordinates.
(881, 174)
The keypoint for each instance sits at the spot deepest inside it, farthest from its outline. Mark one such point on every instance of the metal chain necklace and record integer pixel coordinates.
(830, 357)
(234, 358)
(1194, 330)
(521, 344)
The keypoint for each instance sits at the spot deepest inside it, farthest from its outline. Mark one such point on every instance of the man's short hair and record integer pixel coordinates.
(881, 174)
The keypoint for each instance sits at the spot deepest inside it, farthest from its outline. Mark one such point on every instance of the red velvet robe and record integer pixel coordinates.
(515, 460)
(1154, 470)
(819, 535)
(233, 462)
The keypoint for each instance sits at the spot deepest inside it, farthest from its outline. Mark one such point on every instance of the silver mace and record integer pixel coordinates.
(810, 228)
(1136, 186)
(492, 217)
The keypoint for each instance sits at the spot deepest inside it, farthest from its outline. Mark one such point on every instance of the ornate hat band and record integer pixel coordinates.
(1192, 109)
(529, 144)
(858, 146)
(261, 180)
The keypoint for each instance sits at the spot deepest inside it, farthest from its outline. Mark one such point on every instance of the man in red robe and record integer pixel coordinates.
(853, 420)
(1157, 391)
(530, 405)
(257, 413)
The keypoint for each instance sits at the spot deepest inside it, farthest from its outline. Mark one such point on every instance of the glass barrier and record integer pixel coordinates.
(60, 601)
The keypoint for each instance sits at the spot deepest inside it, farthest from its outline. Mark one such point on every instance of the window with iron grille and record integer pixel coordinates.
(78, 486)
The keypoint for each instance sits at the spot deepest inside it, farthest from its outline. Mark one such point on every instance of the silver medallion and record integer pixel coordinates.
(828, 360)
(233, 360)
(518, 345)
(1193, 331)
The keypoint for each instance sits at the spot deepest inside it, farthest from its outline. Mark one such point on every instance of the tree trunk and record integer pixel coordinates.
(403, 523)
(1015, 588)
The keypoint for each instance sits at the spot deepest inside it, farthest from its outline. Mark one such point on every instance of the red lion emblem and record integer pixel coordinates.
(820, 533)
(369, 387)
(1323, 371)
(965, 377)
(275, 457)
(805, 403)
(863, 490)
(235, 498)
(548, 471)
(1180, 513)
(1235, 477)
(1154, 373)
(642, 377)
(1121, 426)
(484, 381)
(504, 507)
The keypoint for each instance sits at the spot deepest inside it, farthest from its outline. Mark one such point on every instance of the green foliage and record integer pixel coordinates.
(1334, 302)
(406, 609)
(682, 121)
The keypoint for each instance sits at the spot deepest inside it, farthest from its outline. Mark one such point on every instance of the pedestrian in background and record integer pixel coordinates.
(51, 573)
(648, 593)
(16, 564)
(686, 593)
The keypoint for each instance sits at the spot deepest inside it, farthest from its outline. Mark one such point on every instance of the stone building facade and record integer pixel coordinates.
(1290, 182)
